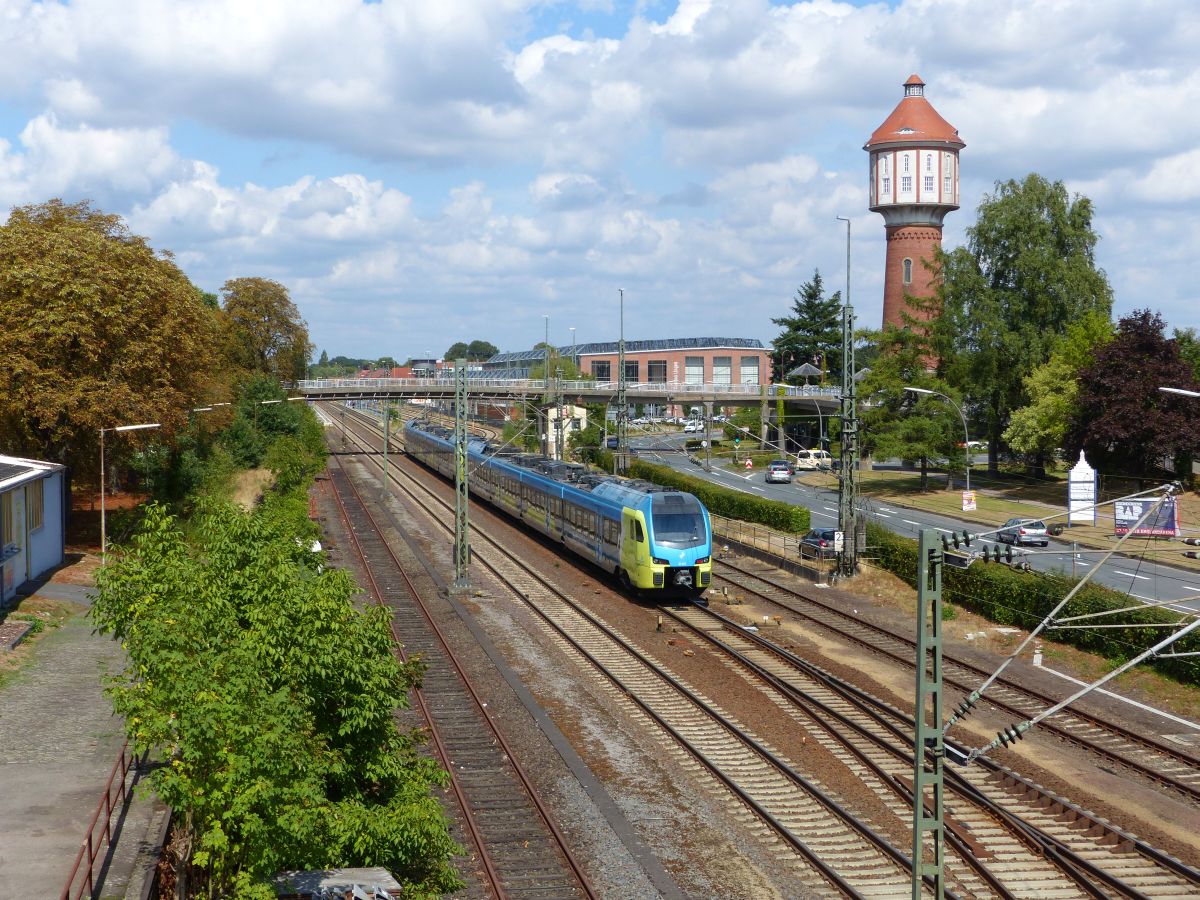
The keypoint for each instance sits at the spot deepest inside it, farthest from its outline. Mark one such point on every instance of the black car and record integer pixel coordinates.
(818, 544)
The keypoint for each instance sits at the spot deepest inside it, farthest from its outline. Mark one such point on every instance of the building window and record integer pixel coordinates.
(6, 524)
(749, 370)
(947, 188)
(693, 369)
(887, 185)
(656, 371)
(631, 371)
(35, 500)
(602, 370)
(908, 271)
(906, 163)
(885, 166)
(722, 370)
(929, 184)
(906, 184)
(928, 162)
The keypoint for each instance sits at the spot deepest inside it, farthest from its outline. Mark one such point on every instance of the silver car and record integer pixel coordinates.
(1019, 531)
(779, 472)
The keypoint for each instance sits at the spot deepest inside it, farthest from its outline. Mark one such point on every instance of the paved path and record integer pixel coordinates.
(58, 742)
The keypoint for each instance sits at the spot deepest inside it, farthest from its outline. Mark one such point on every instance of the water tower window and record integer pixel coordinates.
(908, 271)
(929, 184)
(906, 163)
(906, 184)
(947, 188)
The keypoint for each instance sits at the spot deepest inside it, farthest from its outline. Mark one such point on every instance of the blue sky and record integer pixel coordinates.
(419, 174)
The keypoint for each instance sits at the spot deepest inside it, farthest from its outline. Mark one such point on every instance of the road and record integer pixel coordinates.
(1143, 579)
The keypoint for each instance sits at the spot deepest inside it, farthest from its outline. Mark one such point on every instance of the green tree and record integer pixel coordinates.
(906, 425)
(269, 699)
(1124, 423)
(1027, 273)
(812, 333)
(457, 350)
(1040, 426)
(480, 350)
(265, 331)
(98, 330)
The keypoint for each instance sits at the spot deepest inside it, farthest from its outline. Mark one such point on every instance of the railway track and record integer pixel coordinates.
(1000, 845)
(832, 849)
(520, 851)
(1149, 758)
(1008, 836)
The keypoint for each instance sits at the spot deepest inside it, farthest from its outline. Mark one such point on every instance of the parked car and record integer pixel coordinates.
(692, 427)
(818, 544)
(1014, 532)
(640, 421)
(812, 460)
(779, 472)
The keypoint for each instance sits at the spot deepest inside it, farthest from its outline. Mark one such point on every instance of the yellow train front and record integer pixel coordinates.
(654, 540)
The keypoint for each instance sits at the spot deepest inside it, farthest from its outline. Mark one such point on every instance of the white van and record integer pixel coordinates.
(814, 459)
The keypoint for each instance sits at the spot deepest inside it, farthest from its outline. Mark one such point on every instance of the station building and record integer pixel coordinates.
(33, 510)
(713, 361)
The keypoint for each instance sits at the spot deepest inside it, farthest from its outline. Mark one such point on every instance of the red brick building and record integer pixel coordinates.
(914, 183)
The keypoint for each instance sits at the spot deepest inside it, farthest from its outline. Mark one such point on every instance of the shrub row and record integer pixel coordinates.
(726, 502)
(1008, 596)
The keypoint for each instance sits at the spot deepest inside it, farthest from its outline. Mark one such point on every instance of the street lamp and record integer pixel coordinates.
(958, 409)
(103, 523)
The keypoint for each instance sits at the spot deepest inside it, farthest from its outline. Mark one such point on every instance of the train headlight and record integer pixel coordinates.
(660, 562)
(702, 560)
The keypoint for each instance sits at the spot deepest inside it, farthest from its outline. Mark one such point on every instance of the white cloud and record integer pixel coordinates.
(698, 160)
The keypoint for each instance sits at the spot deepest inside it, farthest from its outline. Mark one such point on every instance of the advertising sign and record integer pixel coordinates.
(1081, 493)
(1163, 522)
(968, 501)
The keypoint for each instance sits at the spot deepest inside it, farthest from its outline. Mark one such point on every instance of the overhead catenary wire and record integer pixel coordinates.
(968, 703)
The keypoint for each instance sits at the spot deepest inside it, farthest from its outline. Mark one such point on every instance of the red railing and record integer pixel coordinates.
(95, 844)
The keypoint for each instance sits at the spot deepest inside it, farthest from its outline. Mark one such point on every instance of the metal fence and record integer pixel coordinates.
(99, 836)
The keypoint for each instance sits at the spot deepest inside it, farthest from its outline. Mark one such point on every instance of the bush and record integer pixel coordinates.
(1008, 596)
(729, 503)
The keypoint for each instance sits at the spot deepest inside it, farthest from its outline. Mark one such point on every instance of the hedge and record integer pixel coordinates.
(1009, 596)
(727, 502)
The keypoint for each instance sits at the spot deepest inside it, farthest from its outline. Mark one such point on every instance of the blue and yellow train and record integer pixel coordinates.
(654, 540)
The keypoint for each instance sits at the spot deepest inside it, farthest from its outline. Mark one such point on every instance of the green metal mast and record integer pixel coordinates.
(928, 749)
(462, 546)
(622, 456)
(848, 477)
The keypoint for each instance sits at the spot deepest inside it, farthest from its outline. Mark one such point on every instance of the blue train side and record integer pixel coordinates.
(653, 539)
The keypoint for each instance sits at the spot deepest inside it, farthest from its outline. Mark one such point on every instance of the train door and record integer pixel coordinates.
(635, 555)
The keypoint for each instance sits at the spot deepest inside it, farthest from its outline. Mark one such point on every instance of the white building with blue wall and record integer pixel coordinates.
(33, 516)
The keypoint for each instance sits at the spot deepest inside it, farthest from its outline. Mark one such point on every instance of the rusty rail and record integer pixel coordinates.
(94, 846)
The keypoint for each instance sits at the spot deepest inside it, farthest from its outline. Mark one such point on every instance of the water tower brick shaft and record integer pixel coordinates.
(913, 184)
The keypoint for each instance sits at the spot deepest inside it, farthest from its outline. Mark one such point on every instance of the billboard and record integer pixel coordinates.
(1163, 522)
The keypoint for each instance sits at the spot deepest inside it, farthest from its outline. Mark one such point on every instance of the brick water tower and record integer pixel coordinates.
(914, 183)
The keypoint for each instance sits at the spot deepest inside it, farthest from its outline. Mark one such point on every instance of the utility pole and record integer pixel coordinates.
(622, 457)
(848, 481)
(708, 405)
(462, 546)
(387, 421)
(928, 746)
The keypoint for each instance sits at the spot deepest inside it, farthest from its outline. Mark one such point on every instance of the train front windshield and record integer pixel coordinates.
(678, 521)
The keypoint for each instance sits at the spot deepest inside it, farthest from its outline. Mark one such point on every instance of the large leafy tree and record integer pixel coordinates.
(896, 422)
(481, 350)
(1040, 426)
(1123, 421)
(265, 331)
(812, 333)
(96, 329)
(1028, 271)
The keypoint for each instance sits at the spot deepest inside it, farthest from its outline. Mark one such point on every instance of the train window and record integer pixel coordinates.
(640, 536)
(678, 521)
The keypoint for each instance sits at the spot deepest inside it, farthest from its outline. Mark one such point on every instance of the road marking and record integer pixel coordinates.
(1131, 575)
(883, 515)
(824, 515)
(910, 522)
(1192, 587)
(760, 490)
(944, 530)
(830, 508)
(885, 509)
